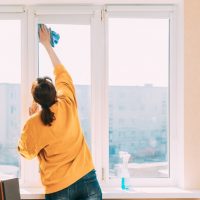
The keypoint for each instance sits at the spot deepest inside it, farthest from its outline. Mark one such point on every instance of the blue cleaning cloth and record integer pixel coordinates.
(54, 37)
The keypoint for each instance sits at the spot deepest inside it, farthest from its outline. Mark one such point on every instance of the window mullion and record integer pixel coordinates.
(30, 167)
(98, 92)
(24, 83)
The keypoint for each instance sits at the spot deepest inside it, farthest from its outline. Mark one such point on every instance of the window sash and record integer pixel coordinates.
(135, 12)
(38, 15)
(18, 13)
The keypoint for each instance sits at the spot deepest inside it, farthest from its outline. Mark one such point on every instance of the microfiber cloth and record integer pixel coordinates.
(53, 36)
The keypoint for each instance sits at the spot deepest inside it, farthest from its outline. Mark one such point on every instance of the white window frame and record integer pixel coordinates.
(54, 14)
(175, 93)
(19, 13)
(98, 15)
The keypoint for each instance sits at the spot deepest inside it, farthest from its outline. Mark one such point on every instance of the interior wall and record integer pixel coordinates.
(192, 93)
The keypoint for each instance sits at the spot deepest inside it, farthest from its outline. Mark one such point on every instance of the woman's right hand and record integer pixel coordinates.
(44, 35)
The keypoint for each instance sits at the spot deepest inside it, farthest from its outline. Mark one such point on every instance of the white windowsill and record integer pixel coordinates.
(117, 193)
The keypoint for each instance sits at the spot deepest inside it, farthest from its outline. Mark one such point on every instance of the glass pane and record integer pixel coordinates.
(73, 50)
(10, 79)
(138, 96)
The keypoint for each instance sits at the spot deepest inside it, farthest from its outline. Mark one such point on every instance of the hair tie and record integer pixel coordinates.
(45, 107)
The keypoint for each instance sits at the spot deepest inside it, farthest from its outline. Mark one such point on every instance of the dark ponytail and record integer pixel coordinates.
(47, 116)
(44, 93)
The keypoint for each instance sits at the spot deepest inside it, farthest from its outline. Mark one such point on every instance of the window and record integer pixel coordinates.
(124, 64)
(138, 68)
(10, 81)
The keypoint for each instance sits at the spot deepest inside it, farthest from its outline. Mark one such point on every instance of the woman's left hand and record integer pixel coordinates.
(33, 108)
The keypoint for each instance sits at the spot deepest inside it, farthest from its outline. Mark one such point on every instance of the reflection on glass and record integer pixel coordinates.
(138, 96)
(73, 50)
(10, 79)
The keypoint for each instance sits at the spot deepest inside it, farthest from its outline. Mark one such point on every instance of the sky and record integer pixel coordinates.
(10, 51)
(138, 52)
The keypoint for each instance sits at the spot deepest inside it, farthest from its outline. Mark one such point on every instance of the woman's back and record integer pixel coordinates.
(61, 148)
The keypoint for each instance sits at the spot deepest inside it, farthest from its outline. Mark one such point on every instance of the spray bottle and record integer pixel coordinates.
(125, 176)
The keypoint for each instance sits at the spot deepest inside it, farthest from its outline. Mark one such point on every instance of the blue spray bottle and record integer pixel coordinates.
(125, 176)
(53, 36)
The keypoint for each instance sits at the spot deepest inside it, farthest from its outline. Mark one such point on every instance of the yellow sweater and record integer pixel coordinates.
(62, 151)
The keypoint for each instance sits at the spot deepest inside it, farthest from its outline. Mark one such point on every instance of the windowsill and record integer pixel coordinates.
(117, 193)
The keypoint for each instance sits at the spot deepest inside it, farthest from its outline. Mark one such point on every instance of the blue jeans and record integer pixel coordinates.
(86, 188)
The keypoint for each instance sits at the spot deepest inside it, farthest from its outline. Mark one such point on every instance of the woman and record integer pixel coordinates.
(54, 135)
